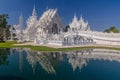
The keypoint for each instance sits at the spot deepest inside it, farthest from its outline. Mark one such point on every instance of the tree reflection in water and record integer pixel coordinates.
(4, 53)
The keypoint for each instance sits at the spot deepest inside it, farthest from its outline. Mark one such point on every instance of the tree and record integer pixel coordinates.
(112, 29)
(3, 26)
(4, 53)
(66, 28)
(1, 34)
(3, 20)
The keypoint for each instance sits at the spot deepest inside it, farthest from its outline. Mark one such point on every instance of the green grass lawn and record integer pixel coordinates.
(9, 44)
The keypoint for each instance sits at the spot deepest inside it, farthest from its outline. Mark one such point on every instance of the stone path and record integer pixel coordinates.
(56, 46)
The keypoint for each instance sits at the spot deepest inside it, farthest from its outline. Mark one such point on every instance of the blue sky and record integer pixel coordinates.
(100, 14)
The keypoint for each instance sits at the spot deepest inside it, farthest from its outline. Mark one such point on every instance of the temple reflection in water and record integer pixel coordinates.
(77, 59)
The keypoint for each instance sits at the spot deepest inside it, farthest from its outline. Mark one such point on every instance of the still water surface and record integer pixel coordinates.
(87, 64)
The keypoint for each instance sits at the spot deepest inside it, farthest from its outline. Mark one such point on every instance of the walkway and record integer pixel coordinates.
(56, 46)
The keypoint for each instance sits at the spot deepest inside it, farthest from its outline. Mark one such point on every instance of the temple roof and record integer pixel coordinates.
(79, 24)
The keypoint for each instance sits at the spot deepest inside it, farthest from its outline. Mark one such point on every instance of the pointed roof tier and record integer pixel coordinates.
(31, 25)
(32, 20)
(79, 24)
(21, 20)
(34, 12)
(75, 22)
(49, 16)
(81, 20)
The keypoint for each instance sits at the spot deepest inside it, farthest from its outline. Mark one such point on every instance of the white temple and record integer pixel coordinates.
(18, 30)
(79, 25)
(31, 29)
(49, 29)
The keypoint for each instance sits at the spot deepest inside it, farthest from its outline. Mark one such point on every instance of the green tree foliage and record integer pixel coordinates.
(112, 29)
(4, 28)
(3, 20)
(1, 34)
(4, 53)
(66, 28)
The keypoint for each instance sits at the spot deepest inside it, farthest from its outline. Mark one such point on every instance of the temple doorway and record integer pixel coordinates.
(54, 28)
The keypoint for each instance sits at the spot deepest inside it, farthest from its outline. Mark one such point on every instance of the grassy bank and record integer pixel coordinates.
(9, 44)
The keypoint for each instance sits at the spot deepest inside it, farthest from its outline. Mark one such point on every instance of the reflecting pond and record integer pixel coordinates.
(87, 64)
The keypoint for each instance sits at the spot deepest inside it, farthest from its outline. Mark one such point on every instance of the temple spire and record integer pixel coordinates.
(47, 8)
(81, 18)
(75, 17)
(34, 11)
(21, 20)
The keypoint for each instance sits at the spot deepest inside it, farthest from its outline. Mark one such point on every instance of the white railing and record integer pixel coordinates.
(96, 35)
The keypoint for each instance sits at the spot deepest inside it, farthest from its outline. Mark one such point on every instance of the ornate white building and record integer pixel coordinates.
(31, 29)
(49, 29)
(18, 30)
(79, 25)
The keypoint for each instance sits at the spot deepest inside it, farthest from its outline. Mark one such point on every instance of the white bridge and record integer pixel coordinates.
(92, 37)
